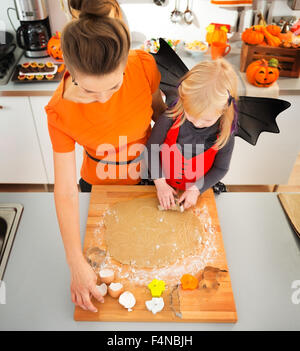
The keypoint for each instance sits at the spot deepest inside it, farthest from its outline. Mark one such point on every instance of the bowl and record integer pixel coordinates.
(196, 48)
(152, 45)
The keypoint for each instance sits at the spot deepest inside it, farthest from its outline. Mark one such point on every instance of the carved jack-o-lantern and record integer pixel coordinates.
(54, 47)
(262, 73)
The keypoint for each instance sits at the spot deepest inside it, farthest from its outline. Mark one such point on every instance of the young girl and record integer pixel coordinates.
(191, 144)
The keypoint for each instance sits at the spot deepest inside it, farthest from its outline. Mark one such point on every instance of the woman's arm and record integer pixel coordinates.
(83, 278)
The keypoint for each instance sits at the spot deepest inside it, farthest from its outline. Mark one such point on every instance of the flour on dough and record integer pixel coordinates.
(137, 233)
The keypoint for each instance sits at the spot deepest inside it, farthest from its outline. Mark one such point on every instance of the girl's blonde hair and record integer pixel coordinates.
(207, 84)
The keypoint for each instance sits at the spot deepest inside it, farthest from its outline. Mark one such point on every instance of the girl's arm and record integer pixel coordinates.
(83, 278)
(219, 169)
(158, 105)
(165, 193)
(156, 139)
(215, 174)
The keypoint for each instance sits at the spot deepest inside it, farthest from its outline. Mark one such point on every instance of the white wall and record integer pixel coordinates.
(151, 20)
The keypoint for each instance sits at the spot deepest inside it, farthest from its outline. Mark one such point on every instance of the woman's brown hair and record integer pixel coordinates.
(101, 7)
(94, 44)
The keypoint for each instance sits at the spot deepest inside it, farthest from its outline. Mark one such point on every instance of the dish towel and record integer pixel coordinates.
(233, 3)
(251, 90)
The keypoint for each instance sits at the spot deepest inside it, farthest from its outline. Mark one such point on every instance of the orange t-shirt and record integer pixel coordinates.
(127, 114)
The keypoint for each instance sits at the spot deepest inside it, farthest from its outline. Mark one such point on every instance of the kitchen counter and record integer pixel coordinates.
(287, 86)
(263, 255)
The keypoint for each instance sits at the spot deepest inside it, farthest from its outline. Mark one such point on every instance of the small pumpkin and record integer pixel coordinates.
(262, 73)
(263, 43)
(252, 36)
(271, 39)
(189, 282)
(286, 44)
(273, 29)
(285, 34)
(54, 47)
(288, 36)
(215, 34)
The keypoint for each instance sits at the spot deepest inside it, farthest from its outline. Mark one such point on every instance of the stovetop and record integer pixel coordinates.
(8, 64)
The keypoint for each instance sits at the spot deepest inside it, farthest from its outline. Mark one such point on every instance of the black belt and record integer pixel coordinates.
(135, 160)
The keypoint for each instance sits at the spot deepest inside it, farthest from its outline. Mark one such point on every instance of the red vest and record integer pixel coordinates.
(181, 173)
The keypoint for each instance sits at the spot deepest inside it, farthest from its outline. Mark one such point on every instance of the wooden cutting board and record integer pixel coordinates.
(291, 206)
(211, 304)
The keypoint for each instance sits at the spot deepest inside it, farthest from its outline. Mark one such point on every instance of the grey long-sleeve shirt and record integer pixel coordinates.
(190, 135)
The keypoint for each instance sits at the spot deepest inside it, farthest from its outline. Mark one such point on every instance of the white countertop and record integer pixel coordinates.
(262, 250)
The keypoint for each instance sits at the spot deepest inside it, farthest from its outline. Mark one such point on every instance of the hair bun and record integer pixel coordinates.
(96, 8)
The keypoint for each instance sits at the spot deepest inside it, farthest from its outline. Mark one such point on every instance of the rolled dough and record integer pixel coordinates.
(137, 233)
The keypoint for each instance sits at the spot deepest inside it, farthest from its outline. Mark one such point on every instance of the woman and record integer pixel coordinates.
(107, 92)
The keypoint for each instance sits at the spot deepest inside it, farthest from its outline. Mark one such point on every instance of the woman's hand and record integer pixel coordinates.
(165, 193)
(83, 285)
(190, 197)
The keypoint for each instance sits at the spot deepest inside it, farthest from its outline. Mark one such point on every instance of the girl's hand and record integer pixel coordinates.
(190, 197)
(165, 193)
(83, 285)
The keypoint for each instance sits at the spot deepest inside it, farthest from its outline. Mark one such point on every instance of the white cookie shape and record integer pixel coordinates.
(155, 305)
(127, 300)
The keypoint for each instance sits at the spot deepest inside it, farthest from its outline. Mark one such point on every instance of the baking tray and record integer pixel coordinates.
(57, 77)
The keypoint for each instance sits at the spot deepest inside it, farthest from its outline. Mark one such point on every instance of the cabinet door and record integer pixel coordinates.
(20, 155)
(38, 103)
(272, 159)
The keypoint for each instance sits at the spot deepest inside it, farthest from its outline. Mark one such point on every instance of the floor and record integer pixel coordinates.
(292, 186)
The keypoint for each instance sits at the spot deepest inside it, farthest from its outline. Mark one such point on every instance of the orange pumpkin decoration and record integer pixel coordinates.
(285, 34)
(189, 282)
(288, 36)
(54, 47)
(271, 39)
(252, 36)
(216, 34)
(263, 43)
(262, 73)
(273, 29)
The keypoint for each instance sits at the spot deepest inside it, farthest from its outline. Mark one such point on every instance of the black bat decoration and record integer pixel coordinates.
(255, 114)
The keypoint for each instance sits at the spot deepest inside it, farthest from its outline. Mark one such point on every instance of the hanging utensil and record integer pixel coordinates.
(159, 2)
(254, 12)
(176, 15)
(188, 14)
(269, 11)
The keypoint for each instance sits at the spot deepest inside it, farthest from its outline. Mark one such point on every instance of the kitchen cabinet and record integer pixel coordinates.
(20, 155)
(38, 103)
(272, 159)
